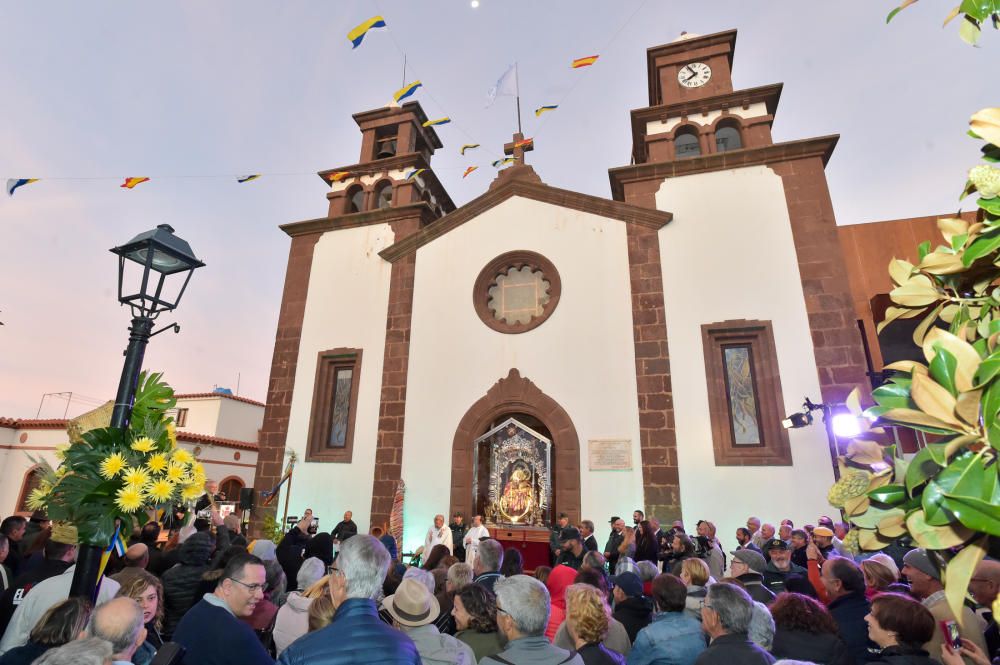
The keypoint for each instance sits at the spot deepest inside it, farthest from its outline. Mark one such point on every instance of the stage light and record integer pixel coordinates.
(846, 425)
(797, 420)
(474, 3)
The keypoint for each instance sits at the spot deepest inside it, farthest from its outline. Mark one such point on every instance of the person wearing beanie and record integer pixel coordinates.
(632, 609)
(926, 586)
(42, 595)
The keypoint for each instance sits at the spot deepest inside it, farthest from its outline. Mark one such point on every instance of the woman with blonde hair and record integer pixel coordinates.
(587, 619)
(147, 590)
(881, 573)
(695, 575)
(321, 612)
(61, 624)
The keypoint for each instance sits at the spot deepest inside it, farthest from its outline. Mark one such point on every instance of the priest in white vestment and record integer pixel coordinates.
(472, 538)
(439, 534)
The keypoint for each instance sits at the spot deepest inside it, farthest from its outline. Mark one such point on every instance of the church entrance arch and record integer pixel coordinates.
(511, 396)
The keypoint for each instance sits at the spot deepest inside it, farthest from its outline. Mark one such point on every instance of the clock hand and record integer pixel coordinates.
(693, 75)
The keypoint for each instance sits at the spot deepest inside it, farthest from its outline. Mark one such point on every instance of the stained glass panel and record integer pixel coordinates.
(741, 393)
(341, 407)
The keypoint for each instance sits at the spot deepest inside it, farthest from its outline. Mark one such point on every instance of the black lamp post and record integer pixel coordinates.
(166, 263)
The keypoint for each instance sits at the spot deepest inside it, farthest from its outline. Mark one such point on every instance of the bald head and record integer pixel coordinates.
(985, 582)
(119, 621)
(137, 556)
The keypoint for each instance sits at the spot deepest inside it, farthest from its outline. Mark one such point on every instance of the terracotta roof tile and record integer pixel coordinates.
(238, 398)
(192, 437)
(31, 423)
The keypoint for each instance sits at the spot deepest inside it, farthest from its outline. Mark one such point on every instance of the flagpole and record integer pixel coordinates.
(288, 495)
(517, 89)
(404, 71)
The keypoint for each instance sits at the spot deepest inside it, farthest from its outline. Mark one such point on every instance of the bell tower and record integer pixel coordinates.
(394, 166)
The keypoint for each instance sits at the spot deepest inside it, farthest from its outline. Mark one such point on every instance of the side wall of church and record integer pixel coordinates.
(346, 308)
(729, 254)
(583, 356)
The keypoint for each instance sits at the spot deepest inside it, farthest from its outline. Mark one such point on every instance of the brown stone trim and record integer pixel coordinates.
(22, 495)
(488, 278)
(679, 50)
(419, 210)
(395, 368)
(516, 394)
(398, 162)
(327, 364)
(657, 435)
(758, 336)
(379, 116)
(633, 215)
(271, 450)
(821, 147)
(840, 358)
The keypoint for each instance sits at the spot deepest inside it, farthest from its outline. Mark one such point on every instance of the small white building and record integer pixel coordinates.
(219, 429)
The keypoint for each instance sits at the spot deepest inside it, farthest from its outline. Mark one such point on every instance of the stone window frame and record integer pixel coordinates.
(758, 336)
(688, 129)
(487, 279)
(327, 364)
(728, 122)
(32, 478)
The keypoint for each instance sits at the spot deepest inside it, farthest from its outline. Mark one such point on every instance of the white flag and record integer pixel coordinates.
(506, 85)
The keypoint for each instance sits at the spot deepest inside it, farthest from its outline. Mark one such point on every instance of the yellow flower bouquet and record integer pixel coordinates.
(116, 474)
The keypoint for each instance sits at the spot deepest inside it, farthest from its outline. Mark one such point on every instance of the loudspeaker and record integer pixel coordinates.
(246, 498)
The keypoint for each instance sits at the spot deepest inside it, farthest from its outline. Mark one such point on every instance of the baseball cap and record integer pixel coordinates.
(613, 519)
(752, 559)
(775, 544)
(629, 583)
(569, 533)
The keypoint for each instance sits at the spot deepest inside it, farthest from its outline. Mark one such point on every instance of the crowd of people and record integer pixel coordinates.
(203, 594)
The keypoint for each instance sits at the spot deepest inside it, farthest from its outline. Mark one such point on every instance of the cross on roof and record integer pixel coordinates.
(516, 150)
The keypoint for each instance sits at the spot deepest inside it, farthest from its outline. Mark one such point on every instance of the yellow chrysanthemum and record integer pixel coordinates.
(157, 463)
(136, 477)
(160, 490)
(61, 451)
(37, 499)
(112, 465)
(182, 456)
(192, 492)
(144, 445)
(172, 434)
(62, 471)
(175, 473)
(197, 470)
(129, 498)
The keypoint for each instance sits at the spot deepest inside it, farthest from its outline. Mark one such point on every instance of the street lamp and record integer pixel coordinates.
(154, 269)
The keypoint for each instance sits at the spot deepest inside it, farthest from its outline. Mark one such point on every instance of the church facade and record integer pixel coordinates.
(656, 338)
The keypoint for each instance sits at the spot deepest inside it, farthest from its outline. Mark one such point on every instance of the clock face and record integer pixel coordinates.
(694, 75)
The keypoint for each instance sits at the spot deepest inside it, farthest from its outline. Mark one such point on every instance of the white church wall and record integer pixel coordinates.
(202, 415)
(729, 254)
(346, 308)
(40, 444)
(239, 420)
(582, 356)
(755, 110)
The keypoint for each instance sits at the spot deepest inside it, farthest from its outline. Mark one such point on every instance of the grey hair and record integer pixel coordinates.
(121, 631)
(526, 601)
(647, 570)
(88, 651)
(761, 630)
(733, 605)
(425, 577)
(626, 565)
(364, 562)
(460, 575)
(490, 555)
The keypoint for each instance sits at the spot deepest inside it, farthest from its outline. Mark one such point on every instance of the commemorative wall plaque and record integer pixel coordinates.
(610, 454)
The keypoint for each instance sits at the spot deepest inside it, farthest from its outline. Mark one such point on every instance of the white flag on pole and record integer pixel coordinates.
(506, 85)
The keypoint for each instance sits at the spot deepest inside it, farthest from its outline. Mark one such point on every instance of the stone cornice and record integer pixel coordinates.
(625, 212)
(821, 146)
(367, 218)
(414, 160)
(769, 94)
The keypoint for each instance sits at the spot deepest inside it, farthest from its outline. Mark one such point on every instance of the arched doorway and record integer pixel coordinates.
(519, 397)
(230, 487)
(32, 479)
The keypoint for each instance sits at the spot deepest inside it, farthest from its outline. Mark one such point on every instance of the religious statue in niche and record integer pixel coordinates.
(519, 489)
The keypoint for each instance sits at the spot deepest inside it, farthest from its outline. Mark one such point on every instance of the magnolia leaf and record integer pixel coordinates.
(923, 248)
(965, 354)
(893, 313)
(942, 370)
(909, 366)
(980, 247)
(874, 515)
(919, 291)
(986, 124)
(904, 5)
(893, 526)
(974, 513)
(990, 205)
(857, 506)
(951, 15)
(893, 396)
(900, 271)
(987, 371)
(991, 404)
(958, 443)
(920, 468)
(861, 451)
(919, 420)
(869, 540)
(900, 467)
(942, 263)
(952, 226)
(967, 407)
(920, 332)
(958, 573)
(934, 400)
(853, 402)
(936, 537)
(949, 312)
(889, 495)
(931, 500)
(969, 31)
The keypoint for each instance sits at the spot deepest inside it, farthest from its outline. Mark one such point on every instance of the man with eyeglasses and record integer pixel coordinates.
(213, 631)
(725, 617)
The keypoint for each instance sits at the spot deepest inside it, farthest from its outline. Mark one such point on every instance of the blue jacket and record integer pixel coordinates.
(356, 636)
(673, 638)
(849, 612)
(213, 636)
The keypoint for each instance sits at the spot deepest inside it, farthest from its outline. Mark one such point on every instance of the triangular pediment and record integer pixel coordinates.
(564, 198)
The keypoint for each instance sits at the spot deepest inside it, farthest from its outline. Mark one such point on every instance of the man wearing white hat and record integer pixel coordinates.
(413, 610)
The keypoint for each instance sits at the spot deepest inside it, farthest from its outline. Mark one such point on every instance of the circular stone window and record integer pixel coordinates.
(517, 291)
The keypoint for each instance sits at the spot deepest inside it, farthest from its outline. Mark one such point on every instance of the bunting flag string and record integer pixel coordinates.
(584, 62)
(132, 182)
(436, 122)
(469, 170)
(503, 162)
(468, 146)
(357, 35)
(406, 91)
(544, 109)
(414, 173)
(248, 178)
